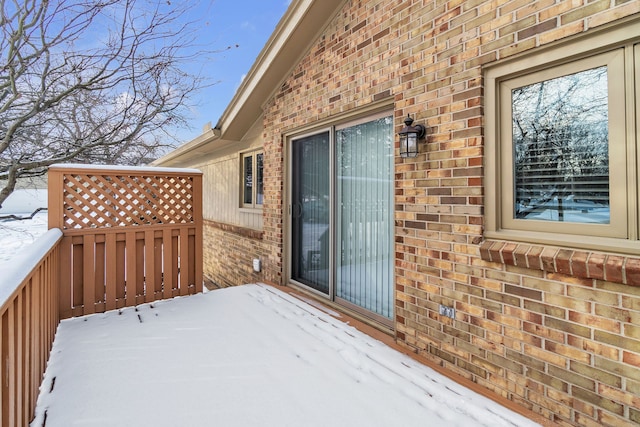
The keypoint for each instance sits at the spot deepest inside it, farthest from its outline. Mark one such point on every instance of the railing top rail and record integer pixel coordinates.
(130, 170)
(21, 266)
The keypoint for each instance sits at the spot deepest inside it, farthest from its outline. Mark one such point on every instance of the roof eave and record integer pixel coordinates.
(298, 28)
(176, 156)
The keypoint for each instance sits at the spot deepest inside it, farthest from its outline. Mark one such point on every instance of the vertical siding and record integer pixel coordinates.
(221, 198)
(222, 181)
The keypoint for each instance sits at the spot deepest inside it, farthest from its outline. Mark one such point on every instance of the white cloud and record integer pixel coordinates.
(246, 25)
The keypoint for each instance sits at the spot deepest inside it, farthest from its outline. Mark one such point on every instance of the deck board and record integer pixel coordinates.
(250, 355)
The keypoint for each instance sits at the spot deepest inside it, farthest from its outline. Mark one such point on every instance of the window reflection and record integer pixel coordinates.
(561, 148)
(248, 179)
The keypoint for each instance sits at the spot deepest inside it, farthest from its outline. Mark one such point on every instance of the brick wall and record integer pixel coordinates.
(566, 347)
(273, 207)
(229, 252)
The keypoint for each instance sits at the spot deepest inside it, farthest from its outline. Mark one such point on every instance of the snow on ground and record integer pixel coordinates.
(244, 356)
(24, 201)
(16, 235)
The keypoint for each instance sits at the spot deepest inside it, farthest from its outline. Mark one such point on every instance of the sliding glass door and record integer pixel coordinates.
(364, 225)
(310, 212)
(342, 214)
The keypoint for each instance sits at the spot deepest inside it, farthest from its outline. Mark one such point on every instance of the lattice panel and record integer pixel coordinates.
(96, 201)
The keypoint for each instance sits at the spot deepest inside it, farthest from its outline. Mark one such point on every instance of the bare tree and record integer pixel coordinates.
(96, 81)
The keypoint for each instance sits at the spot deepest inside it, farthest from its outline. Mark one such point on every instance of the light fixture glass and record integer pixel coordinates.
(409, 136)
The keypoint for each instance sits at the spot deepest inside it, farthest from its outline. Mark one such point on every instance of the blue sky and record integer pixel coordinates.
(246, 23)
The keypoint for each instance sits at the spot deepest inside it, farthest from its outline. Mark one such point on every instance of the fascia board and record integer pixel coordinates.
(292, 37)
(181, 152)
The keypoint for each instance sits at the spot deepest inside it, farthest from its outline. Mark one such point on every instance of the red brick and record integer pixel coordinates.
(613, 268)
(579, 263)
(548, 257)
(533, 257)
(563, 261)
(520, 255)
(632, 359)
(632, 271)
(507, 253)
(494, 251)
(595, 266)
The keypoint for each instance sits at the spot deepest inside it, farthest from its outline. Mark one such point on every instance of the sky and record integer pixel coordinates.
(245, 23)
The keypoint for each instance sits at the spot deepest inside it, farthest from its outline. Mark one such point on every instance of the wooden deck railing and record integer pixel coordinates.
(118, 237)
(130, 235)
(29, 318)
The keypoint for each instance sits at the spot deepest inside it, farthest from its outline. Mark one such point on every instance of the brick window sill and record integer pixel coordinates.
(581, 264)
(236, 229)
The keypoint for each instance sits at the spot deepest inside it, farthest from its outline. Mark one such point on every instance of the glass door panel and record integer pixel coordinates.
(364, 223)
(310, 208)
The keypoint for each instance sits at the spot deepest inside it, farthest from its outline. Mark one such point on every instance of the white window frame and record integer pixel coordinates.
(255, 203)
(612, 46)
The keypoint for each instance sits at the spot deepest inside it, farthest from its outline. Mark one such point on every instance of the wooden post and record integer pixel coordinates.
(198, 222)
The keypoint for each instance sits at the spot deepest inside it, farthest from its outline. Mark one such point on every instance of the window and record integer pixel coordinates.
(560, 138)
(561, 146)
(252, 192)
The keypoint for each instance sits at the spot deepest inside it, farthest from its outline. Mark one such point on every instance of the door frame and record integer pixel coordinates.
(330, 127)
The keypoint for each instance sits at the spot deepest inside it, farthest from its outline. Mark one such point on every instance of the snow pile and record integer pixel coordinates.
(244, 356)
(15, 235)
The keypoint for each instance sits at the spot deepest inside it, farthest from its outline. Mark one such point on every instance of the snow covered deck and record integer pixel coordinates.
(244, 356)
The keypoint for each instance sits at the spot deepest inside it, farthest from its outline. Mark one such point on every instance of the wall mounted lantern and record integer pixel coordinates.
(409, 136)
